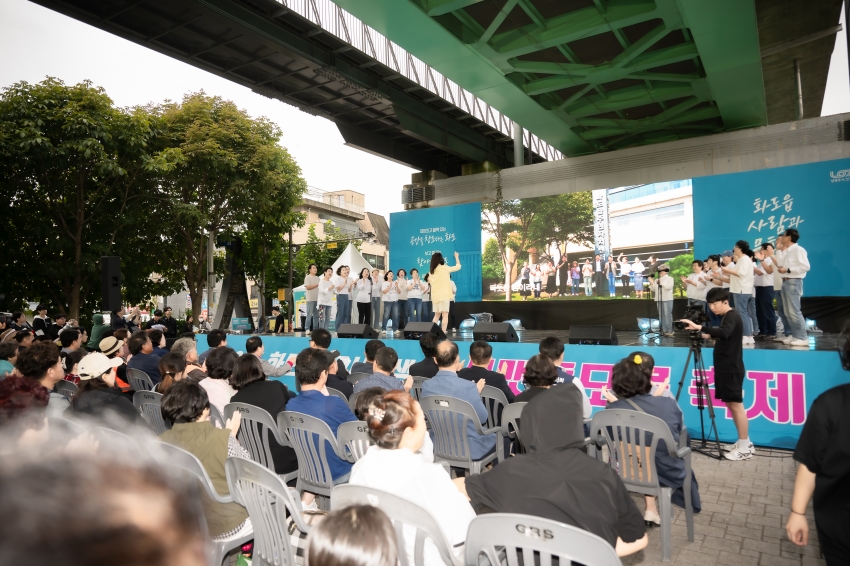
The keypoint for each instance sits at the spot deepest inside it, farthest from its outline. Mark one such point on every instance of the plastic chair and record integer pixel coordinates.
(353, 440)
(449, 417)
(352, 401)
(267, 499)
(416, 390)
(63, 426)
(502, 537)
(149, 404)
(187, 462)
(139, 380)
(632, 440)
(510, 429)
(256, 426)
(401, 512)
(355, 377)
(314, 472)
(338, 393)
(66, 388)
(495, 401)
(215, 417)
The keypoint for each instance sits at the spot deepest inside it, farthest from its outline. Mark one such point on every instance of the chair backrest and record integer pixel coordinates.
(188, 462)
(337, 393)
(537, 541)
(66, 388)
(113, 437)
(254, 432)
(632, 439)
(495, 401)
(216, 417)
(449, 418)
(416, 389)
(355, 377)
(62, 426)
(267, 500)
(352, 401)
(353, 440)
(139, 380)
(310, 437)
(510, 422)
(401, 512)
(149, 404)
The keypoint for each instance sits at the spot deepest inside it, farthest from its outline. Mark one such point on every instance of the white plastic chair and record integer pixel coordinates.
(338, 393)
(449, 417)
(66, 388)
(149, 403)
(416, 389)
(495, 401)
(139, 380)
(311, 438)
(256, 428)
(510, 428)
(353, 440)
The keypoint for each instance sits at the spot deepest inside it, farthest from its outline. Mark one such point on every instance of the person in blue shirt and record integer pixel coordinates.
(385, 362)
(311, 373)
(447, 383)
(143, 358)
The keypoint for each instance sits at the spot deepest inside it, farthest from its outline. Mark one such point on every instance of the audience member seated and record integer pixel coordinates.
(111, 347)
(254, 345)
(54, 328)
(186, 405)
(40, 362)
(99, 398)
(632, 391)
(556, 479)
(122, 335)
(24, 338)
(361, 408)
(320, 339)
(188, 350)
(23, 417)
(157, 337)
(368, 366)
(8, 357)
(447, 383)
(397, 424)
(427, 367)
(215, 339)
(70, 365)
(358, 535)
(71, 340)
(98, 332)
(172, 368)
(220, 364)
(143, 358)
(481, 356)
(538, 376)
(253, 388)
(553, 348)
(385, 362)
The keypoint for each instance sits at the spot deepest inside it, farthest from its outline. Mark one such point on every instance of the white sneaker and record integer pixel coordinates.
(738, 453)
(798, 342)
(750, 446)
(779, 338)
(787, 339)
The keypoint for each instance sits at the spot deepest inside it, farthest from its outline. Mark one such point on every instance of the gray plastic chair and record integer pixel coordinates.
(353, 440)
(256, 426)
(139, 380)
(149, 403)
(267, 500)
(338, 393)
(355, 377)
(448, 417)
(501, 538)
(306, 435)
(632, 438)
(510, 429)
(352, 401)
(416, 390)
(63, 426)
(495, 401)
(401, 512)
(215, 417)
(187, 462)
(66, 388)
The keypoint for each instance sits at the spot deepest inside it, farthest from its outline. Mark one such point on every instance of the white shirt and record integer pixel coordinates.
(326, 293)
(340, 280)
(218, 391)
(625, 267)
(721, 274)
(743, 282)
(638, 268)
(797, 260)
(376, 288)
(666, 283)
(392, 295)
(408, 475)
(363, 290)
(697, 290)
(402, 288)
(454, 290)
(426, 292)
(312, 294)
(766, 279)
(415, 289)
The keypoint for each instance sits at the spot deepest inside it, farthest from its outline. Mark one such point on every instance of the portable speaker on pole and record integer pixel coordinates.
(356, 331)
(494, 332)
(110, 283)
(593, 335)
(415, 330)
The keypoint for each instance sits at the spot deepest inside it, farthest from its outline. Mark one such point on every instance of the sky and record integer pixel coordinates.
(36, 42)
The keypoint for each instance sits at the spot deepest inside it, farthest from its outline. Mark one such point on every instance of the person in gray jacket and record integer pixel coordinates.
(254, 345)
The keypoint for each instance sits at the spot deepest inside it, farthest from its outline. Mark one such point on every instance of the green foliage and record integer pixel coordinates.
(491, 261)
(562, 219)
(681, 265)
(315, 251)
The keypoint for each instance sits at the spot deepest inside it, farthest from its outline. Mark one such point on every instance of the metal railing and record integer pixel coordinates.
(337, 21)
(333, 199)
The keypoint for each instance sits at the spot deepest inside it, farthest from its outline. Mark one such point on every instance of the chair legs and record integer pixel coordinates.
(665, 508)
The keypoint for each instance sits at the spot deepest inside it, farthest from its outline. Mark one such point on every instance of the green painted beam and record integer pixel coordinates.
(614, 127)
(440, 7)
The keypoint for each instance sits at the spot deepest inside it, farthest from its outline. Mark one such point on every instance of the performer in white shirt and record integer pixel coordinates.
(327, 289)
(794, 266)
(376, 298)
(363, 297)
(625, 270)
(665, 287)
(763, 282)
(344, 284)
(390, 290)
(741, 286)
(711, 281)
(694, 286)
(637, 270)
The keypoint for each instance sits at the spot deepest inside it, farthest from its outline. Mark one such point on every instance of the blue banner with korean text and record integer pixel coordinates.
(416, 234)
(759, 205)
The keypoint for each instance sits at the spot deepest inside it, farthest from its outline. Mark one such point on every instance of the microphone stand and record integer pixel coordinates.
(649, 334)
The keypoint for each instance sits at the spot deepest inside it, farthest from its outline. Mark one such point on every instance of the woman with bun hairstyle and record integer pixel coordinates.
(397, 424)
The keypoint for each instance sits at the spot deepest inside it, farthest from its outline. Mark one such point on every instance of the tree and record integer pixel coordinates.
(491, 261)
(77, 177)
(562, 219)
(318, 252)
(679, 266)
(509, 222)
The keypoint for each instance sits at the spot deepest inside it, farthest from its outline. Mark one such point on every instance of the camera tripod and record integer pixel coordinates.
(706, 445)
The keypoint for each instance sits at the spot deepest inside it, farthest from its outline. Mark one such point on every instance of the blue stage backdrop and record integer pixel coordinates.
(757, 205)
(778, 391)
(416, 234)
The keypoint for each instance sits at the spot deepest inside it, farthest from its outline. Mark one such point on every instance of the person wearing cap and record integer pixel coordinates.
(99, 398)
(320, 339)
(664, 290)
(112, 348)
(721, 279)
(41, 362)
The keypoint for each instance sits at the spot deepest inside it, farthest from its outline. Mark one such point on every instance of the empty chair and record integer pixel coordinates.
(413, 524)
(255, 431)
(148, 403)
(187, 462)
(495, 401)
(416, 390)
(353, 440)
(139, 380)
(449, 418)
(510, 429)
(311, 438)
(502, 538)
(66, 388)
(337, 393)
(355, 377)
(632, 440)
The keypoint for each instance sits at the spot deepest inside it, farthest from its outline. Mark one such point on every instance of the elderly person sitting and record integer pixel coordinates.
(539, 375)
(385, 362)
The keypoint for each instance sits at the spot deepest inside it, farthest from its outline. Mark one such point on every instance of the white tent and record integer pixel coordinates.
(353, 259)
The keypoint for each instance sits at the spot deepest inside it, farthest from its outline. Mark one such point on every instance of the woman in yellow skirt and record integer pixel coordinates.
(441, 287)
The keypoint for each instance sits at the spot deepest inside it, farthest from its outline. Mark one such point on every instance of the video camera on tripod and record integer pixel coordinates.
(696, 315)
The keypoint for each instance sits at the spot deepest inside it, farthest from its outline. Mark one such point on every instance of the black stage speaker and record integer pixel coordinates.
(594, 335)
(415, 330)
(110, 283)
(356, 331)
(494, 332)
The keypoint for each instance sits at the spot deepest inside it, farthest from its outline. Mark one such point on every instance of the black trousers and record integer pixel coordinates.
(364, 313)
(601, 284)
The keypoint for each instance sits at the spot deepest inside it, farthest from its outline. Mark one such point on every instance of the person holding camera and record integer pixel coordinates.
(729, 369)
(664, 290)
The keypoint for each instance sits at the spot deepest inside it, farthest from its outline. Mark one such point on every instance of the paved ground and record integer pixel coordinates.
(744, 509)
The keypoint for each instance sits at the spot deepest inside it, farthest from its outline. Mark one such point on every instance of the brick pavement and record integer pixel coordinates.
(744, 509)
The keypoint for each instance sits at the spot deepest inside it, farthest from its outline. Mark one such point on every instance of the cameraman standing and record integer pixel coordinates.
(729, 369)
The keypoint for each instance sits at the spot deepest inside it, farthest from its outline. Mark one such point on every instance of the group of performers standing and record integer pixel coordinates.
(598, 276)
